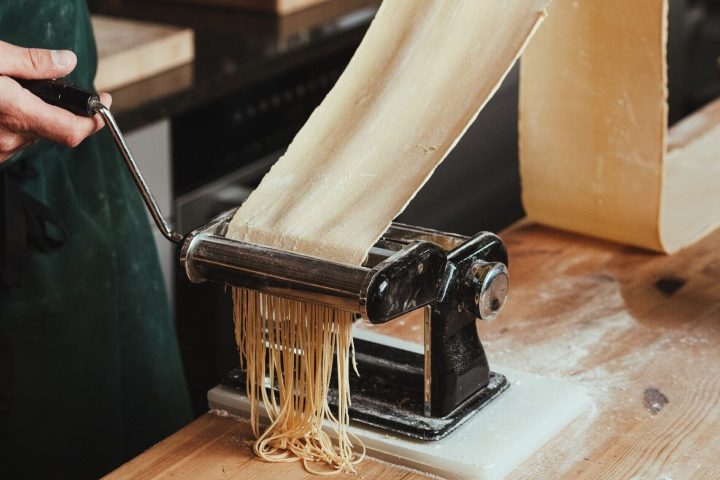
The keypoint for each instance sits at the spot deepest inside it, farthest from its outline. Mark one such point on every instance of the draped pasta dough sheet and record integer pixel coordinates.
(594, 129)
(421, 75)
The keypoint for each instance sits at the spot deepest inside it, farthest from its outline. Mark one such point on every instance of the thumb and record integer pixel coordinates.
(35, 63)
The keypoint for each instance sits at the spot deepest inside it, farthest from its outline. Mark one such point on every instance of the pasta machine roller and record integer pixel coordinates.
(451, 280)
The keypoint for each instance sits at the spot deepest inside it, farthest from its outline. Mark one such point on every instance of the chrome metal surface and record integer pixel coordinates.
(399, 232)
(210, 257)
(147, 195)
(217, 225)
(494, 291)
(486, 289)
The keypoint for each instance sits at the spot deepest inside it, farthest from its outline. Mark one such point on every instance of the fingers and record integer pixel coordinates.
(26, 114)
(106, 100)
(59, 125)
(11, 143)
(35, 63)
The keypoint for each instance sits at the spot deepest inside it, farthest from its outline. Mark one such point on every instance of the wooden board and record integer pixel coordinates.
(129, 50)
(280, 7)
(639, 331)
(214, 447)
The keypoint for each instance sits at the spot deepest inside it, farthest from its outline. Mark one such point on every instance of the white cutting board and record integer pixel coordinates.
(488, 446)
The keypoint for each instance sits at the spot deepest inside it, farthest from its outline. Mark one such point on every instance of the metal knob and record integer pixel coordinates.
(486, 289)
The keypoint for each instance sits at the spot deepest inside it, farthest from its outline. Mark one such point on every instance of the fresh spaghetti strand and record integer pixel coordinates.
(288, 349)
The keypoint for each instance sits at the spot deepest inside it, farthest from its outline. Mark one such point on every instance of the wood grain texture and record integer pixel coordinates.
(130, 50)
(694, 126)
(216, 448)
(280, 7)
(631, 327)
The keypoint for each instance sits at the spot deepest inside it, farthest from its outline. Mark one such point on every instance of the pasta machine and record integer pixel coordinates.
(453, 280)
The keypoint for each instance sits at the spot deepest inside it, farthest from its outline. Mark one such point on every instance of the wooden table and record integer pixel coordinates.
(640, 331)
(214, 447)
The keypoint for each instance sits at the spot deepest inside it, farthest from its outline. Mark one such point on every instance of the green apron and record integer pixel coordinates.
(90, 372)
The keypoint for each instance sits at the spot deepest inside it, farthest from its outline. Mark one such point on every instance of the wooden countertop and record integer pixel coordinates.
(214, 447)
(640, 331)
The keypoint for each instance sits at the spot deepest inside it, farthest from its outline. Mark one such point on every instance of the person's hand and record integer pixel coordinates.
(24, 117)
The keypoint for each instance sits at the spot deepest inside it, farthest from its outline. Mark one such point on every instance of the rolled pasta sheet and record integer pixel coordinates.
(594, 146)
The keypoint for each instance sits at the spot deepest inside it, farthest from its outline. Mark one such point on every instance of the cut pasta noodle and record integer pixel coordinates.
(288, 349)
